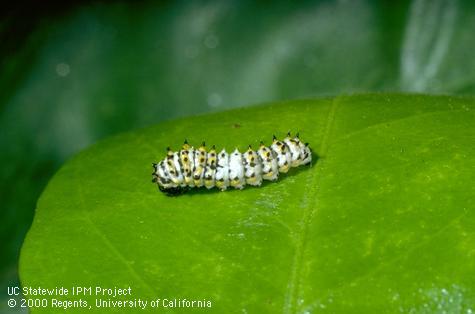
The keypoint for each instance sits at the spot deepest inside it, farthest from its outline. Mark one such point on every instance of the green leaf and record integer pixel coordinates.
(90, 71)
(382, 221)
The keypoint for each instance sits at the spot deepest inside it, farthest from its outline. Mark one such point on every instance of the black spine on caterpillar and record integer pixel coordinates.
(191, 167)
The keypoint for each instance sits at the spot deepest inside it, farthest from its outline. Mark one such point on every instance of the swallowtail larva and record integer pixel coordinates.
(197, 167)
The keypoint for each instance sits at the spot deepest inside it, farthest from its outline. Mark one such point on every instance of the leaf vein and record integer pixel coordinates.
(309, 209)
(107, 242)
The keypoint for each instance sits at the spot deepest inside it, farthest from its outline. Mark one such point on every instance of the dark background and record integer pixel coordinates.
(75, 72)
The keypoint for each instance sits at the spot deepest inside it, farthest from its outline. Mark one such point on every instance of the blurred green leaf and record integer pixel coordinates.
(382, 222)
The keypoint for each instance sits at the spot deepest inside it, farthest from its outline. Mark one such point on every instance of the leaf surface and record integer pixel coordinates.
(382, 221)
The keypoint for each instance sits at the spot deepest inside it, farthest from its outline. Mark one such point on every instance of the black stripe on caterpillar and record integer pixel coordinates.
(191, 167)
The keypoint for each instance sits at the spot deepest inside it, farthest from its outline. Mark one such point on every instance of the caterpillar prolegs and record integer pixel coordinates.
(191, 167)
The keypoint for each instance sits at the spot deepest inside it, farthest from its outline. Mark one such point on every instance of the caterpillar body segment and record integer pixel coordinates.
(283, 155)
(199, 165)
(270, 169)
(210, 169)
(173, 168)
(236, 170)
(191, 167)
(186, 160)
(252, 167)
(222, 171)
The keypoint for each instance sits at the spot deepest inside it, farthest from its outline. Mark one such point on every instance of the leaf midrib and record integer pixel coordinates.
(293, 286)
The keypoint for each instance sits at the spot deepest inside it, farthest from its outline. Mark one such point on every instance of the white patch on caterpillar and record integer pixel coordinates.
(179, 175)
(173, 168)
(294, 149)
(196, 167)
(222, 171)
(270, 170)
(236, 170)
(161, 176)
(252, 167)
(306, 153)
(283, 156)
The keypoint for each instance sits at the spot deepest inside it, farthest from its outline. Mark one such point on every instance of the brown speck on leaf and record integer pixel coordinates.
(236, 125)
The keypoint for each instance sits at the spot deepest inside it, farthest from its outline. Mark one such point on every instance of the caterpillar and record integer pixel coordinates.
(191, 167)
